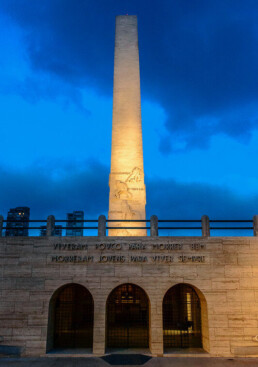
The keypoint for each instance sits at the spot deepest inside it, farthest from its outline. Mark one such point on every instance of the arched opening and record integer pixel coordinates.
(127, 318)
(182, 319)
(70, 324)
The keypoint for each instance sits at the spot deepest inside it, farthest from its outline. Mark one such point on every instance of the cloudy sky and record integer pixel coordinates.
(199, 85)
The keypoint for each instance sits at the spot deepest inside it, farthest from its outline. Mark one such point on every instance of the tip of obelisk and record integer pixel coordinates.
(126, 18)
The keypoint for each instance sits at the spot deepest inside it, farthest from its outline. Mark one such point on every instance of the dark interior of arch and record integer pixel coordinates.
(128, 318)
(72, 318)
(182, 318)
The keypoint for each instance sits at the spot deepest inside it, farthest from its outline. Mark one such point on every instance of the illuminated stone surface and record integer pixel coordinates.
(127, 189)
(222, 270)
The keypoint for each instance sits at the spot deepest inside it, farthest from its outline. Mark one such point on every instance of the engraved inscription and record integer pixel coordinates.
(137, 246)
(70, 247)
(168, 246)
(141, 259)
(163, 259)
(120, 254)
(197, 259)
(72, 259)
(111, 259)
(108, 246)
(197, 246)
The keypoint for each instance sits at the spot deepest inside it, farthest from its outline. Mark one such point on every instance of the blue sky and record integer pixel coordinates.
(199, 78)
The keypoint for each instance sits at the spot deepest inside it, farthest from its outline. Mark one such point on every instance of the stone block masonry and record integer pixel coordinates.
(127, 197)
(222, 271)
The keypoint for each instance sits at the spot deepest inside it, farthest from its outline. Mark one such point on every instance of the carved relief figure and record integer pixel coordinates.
(135, 176)
(128, 212)
(122, 190)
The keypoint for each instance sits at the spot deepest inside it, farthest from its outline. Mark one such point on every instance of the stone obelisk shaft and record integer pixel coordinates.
(127, 197)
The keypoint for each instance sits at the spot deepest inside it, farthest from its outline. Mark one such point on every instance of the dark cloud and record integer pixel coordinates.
(59, 187)
(169, 199)
(56, 188)
(40, 87)
(198, 58)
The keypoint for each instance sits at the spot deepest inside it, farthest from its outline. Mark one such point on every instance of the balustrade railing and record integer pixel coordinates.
(154, 226)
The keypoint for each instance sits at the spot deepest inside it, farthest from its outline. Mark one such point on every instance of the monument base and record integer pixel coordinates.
(162, 294)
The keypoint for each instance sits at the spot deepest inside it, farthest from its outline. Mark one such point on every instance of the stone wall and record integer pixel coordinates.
(222, 270)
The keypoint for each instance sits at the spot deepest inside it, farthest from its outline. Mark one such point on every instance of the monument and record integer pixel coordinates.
(127, 197)
(95, 295)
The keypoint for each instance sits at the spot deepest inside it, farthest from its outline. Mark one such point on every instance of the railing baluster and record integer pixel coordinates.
(102, 225)
(255, 225)
(205, 226)
(1, 225)
(50, 225)
(154, 226)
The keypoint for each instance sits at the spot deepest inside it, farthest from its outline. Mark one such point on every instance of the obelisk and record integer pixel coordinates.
(127, 198)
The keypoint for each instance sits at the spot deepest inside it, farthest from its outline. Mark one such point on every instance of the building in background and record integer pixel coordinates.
(75, 220)
(57, 232)
(17, 221)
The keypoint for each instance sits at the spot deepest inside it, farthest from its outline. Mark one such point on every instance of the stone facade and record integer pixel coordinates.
(222, 270)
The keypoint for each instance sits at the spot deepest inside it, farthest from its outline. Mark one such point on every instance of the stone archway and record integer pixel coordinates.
(70, 324)
(127, 319)
(182, 318)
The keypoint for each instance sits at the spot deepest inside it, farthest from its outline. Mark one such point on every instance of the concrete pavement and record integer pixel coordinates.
(153, 362)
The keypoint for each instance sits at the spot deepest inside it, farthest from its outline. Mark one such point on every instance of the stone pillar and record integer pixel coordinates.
(205, 226)
(156, 327)
(1, 225)
(102, 225)
(99, 331)
(255, 225)
(127, 196)
(154, 223)
(50, 225)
